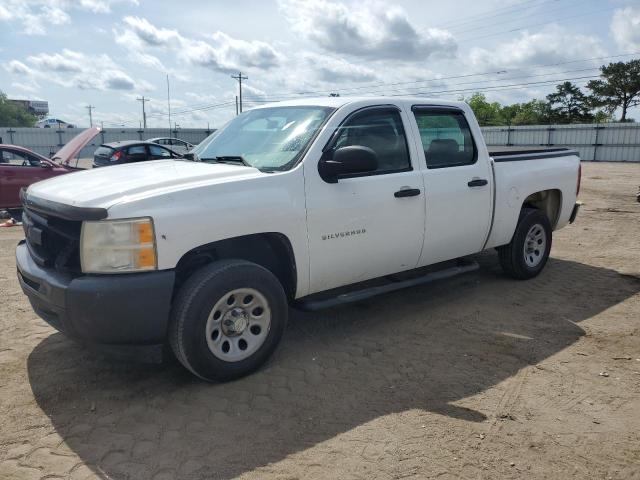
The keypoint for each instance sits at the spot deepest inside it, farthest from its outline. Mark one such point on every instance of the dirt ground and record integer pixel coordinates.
(479, 376)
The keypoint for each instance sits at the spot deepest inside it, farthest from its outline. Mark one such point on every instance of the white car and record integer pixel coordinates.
(175, 144)
(53, 123)
(287, 203)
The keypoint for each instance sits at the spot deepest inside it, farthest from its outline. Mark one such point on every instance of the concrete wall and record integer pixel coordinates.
(47, 141)
(605, 142)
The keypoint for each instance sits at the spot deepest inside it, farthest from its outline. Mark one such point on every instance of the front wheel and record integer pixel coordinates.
(527, 253)
(227, 319)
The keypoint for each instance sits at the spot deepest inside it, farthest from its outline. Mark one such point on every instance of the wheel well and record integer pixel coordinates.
(271, 250)
(549, 201)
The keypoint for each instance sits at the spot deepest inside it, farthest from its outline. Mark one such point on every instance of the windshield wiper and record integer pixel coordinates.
(234, 159)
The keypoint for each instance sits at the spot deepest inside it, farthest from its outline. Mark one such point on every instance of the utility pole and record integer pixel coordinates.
(239, 77)
(169, 104)
(237, 111)
(144, 114)
(90, 108)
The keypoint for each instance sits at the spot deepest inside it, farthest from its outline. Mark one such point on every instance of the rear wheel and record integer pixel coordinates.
(227, 319)
(527, 253)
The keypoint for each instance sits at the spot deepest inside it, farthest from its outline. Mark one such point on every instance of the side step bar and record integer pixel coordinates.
(365, 293)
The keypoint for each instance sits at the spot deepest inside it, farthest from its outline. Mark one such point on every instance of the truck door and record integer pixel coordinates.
(370, 224)
(458, 184)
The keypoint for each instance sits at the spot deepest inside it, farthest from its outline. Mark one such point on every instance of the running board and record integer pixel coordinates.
(358, 295)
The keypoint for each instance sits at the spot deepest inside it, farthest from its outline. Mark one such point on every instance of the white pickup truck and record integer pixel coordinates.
(311, 203)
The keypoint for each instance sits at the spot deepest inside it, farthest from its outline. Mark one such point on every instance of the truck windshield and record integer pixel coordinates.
(271, 138)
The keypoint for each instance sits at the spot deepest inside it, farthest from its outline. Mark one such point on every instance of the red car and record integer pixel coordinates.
(20, 167)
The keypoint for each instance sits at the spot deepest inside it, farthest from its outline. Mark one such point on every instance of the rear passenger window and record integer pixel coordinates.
(446, 138)
(381, 130)
(138, 149)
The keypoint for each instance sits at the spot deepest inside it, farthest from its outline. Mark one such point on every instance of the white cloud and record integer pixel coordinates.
(625, 27)
(374, 31)
(553, 44)
(37, 15)
(73, 69)
(220, 52)
(18, 68)
(5, 14)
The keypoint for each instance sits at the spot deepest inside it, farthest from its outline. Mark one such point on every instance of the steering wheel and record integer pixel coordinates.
(25, 163)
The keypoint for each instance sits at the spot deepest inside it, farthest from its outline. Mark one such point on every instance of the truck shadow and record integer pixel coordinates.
(424, 348)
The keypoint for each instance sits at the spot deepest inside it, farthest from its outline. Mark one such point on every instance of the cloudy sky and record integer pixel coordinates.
(107, 53)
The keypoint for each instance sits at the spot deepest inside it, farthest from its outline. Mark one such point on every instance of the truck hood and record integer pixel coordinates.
(105, 187)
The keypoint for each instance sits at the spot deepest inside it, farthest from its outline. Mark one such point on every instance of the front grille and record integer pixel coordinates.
(52, 241)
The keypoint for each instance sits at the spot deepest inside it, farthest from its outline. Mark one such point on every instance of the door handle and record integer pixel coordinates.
(407, 192)
(477, 182)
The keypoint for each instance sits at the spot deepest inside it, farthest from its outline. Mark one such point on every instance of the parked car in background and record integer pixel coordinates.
(130, 151)
(20, 167)
(175, 144)
(53, 123)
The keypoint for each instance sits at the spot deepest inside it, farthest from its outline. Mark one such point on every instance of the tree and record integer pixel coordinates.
(487, 114)
(569, 105)
(619, 87)
(12, 115)
(534, 112)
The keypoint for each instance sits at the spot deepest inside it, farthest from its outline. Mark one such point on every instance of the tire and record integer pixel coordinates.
(214, 307)
(533, 230)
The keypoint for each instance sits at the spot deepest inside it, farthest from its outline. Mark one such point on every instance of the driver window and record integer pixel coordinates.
(381, 130)
(159, 151)
(18, 159)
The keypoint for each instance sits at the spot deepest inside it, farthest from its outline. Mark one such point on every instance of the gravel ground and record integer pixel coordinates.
(479, 376)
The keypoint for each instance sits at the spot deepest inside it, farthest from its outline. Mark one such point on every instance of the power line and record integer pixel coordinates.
(187, 109)
(492, 25)
(496, 72)
(524, 27)
(490, 14)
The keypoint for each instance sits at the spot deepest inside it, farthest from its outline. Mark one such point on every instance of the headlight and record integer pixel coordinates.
(118, 246)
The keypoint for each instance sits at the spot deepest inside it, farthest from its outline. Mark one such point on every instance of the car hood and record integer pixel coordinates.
(105, 187)
(72, 147)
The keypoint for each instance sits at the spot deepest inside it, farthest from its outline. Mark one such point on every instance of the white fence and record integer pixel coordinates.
(47, 141)
(604, 142)
(612, 142)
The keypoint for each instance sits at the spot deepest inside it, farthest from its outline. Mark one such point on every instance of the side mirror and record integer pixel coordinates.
(347, 160)
(45, 165)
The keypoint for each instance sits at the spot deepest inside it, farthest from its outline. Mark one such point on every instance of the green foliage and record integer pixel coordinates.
(534, 112)
(619, 87)
(12, 115)
(569, 105)
(488, 114)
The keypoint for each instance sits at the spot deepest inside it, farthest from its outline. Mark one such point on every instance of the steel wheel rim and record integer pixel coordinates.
(535, 245)
(238, 324)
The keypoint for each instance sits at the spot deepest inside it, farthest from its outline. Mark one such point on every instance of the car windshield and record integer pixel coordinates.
(271, 138)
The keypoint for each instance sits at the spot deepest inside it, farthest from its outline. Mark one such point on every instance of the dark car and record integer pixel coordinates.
(130, 151)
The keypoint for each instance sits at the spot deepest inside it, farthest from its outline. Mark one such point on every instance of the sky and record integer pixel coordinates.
(109, 53)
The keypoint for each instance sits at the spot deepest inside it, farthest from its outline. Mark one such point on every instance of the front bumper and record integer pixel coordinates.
(125, 309)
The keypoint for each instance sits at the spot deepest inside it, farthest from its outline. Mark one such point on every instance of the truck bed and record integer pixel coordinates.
(518, 153)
